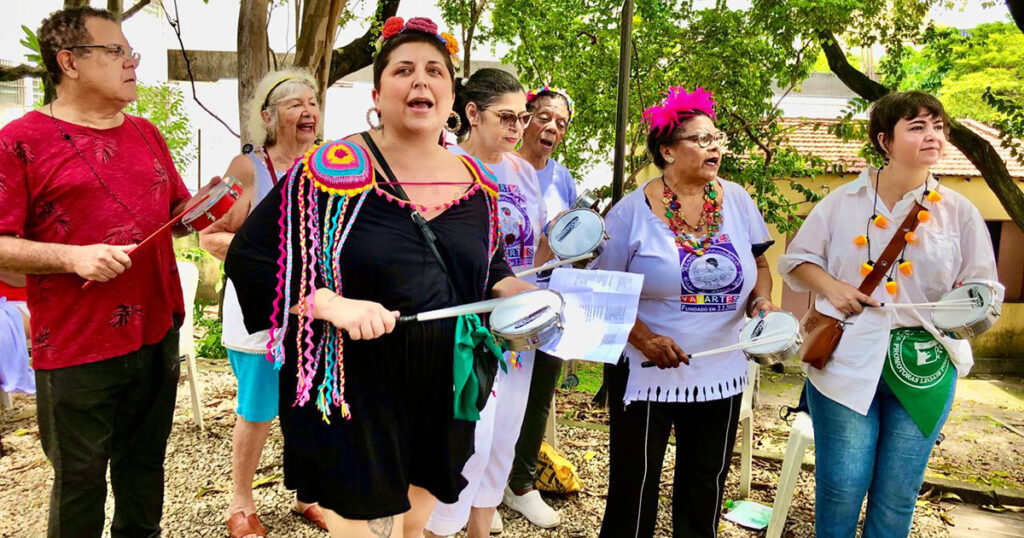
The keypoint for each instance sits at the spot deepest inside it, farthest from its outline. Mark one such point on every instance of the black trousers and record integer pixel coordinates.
(119, 411)
(546, 369)
(705, 436)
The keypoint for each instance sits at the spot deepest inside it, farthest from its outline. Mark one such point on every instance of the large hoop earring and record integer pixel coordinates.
(454, 129)
(380, 122)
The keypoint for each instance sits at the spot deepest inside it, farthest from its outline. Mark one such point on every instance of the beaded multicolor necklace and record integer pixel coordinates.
(710, 216)
(904, 265)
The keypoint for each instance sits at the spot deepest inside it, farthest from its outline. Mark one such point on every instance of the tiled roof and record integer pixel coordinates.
(806, 139)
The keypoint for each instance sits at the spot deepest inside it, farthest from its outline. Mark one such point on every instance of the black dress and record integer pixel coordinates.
(399, 387)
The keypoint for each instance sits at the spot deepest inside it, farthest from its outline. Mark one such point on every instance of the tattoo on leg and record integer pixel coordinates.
(382, 527)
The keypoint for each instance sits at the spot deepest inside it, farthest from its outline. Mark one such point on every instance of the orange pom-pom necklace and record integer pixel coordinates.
(906, 267)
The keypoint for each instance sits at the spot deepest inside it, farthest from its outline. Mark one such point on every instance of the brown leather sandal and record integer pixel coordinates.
(313, 515)
(240, 525)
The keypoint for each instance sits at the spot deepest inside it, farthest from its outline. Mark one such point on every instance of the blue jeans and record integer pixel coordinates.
(882, 455)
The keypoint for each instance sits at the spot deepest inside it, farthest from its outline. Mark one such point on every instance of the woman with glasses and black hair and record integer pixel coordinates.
(491, 106)
(677, 230)
(552, 111)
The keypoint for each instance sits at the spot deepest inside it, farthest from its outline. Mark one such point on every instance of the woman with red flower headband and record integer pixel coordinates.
(382, 222)
(699, 241)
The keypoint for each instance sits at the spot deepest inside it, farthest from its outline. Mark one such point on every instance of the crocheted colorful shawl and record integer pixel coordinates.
(342, 172)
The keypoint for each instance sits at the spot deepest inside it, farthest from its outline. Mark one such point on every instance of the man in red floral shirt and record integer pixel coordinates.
(81, 183)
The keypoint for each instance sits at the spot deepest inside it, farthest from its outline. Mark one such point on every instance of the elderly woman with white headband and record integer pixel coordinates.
(283, 119)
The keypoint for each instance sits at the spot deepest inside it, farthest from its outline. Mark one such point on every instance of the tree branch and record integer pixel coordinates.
(1016, 8)
(18, 72)
(854, 79)
(359, 52)
(135, 9)
(977, 150)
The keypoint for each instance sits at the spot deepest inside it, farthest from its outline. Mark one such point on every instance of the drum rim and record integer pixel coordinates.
(982, 313)
(556, 311)
(216, 196)
(553, 243)
(783, 345)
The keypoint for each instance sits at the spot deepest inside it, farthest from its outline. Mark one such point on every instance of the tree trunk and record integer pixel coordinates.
(977, 150)
(1016, 8)
(252, 58)
(75, 3)
(116, 7)
(316, 41)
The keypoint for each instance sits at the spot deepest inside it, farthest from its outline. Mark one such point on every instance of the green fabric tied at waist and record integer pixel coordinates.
(469, 335)
(919, 372)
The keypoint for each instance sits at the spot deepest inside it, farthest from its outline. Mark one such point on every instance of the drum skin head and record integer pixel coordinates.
(576, 232)
(339, 167)
(983, 296)
(220, 199)
(526, 311)
(772, 322)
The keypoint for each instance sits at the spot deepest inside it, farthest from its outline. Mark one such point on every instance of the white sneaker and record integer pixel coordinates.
(497, 527)
(533, 508)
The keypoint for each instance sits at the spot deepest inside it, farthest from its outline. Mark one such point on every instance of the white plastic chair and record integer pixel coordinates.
(189, 275)
(801, 437)
(5, 400)
(747, 423)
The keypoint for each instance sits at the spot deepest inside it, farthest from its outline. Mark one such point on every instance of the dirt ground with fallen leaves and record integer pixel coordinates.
(979, 447)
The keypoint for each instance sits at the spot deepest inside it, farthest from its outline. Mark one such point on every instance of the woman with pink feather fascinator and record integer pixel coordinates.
(699, 241)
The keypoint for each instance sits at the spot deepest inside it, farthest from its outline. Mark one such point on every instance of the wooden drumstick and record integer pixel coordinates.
(90, 283)
(479, 307)
(554, 264)
(765, 339)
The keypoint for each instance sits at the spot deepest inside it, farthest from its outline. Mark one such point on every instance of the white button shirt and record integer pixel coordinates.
(951, 247)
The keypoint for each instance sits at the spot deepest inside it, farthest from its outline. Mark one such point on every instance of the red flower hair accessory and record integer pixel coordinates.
(392, 27)
(679, 104)
(396, 25)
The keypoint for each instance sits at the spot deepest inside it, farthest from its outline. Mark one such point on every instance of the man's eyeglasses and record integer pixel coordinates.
(704, 138)
(117, 51)
(508, 119)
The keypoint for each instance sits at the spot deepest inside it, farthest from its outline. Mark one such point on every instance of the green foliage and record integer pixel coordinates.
(959, 69)
(1010, 125)
(575, 44)
(209, 345)
(163, 105)
(31, 43)
(195, 255)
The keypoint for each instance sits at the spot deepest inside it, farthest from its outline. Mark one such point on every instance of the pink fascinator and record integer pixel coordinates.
(679, 104)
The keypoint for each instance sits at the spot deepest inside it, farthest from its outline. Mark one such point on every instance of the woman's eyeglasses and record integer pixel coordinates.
(704, 138)
(117, 51)
(508, 119)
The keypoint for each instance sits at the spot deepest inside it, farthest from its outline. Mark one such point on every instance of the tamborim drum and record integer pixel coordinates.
(577, 232)
(528, 320)
(587, 200)
(222, 196)
(982, 307)
(781, 332)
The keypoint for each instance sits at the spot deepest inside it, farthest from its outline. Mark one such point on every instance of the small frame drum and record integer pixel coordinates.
(983, 306)
(577, 232)
(587, 200)
(222, 196)
(528, 320)
(782, 331)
